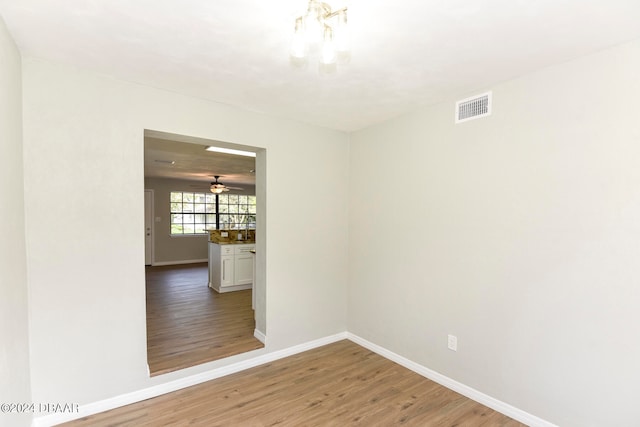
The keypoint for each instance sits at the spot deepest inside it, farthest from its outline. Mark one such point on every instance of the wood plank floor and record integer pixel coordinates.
(188, 323)
(340, 384)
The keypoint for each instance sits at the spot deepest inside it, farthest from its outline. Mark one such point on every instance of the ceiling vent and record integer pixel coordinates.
(474, 107)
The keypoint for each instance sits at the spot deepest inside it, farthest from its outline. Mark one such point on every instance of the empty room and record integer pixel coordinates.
(443, 211)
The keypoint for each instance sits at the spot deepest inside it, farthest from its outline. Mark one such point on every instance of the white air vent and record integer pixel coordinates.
(473, 107)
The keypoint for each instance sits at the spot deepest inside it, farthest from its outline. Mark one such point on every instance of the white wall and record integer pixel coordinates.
(518, 233)
(14, 338)
(83, 144)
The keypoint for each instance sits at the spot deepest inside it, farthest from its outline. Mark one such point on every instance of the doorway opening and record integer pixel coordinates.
(190, 216)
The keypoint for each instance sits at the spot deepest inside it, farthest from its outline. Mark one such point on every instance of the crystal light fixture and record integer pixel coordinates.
(320, 29)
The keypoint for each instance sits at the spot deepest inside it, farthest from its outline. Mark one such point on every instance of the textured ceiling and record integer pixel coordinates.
(181, 157)
(405, 54)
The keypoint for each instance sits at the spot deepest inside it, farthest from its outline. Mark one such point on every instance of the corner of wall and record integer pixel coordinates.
(15, 387)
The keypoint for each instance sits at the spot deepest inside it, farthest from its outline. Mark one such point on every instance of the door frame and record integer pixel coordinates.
(152, 221)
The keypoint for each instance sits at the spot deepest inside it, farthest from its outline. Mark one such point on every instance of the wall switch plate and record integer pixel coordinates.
(452, 342)
(224, 234)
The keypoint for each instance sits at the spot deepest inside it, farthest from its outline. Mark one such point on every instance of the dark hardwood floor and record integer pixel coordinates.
(188, 323)
(341, 384)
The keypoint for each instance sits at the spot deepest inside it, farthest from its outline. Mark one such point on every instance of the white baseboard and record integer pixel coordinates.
(262, 337)
(224, 289)
(471, 393)
(188, 261)
(160, 389)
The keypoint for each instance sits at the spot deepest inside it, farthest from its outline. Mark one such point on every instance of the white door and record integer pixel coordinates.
(148, 227)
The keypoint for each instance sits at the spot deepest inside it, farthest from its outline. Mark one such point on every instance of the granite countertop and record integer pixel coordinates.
(236, 242)
(230, 237)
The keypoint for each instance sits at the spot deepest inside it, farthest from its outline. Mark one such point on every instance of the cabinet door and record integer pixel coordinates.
(244, 269)
(226, 262)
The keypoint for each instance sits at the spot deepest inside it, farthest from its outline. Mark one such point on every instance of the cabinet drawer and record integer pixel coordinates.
(243, 249)
(226, 249)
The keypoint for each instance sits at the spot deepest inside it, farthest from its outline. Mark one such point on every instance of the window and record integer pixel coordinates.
(237, 211)
(193, 213)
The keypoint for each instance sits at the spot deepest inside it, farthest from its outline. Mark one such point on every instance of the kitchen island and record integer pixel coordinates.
(230, 264)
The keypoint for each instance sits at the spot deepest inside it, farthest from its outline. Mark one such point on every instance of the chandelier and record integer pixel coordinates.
(323, 30)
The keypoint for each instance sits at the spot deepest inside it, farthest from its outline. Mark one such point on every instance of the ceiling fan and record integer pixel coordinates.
(217, 187)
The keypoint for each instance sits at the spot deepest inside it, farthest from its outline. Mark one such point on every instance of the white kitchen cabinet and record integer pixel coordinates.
(227, 273)
(243, 265)
(230, 267)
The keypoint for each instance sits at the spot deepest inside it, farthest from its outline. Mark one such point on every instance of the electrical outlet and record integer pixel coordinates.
(452, 342)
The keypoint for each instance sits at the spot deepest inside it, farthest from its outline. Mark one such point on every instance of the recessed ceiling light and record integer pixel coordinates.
(231, 151)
